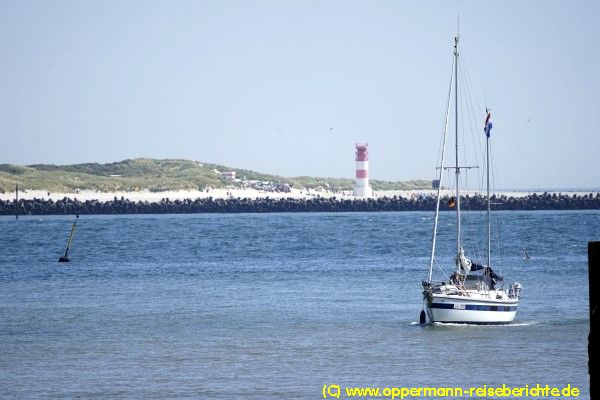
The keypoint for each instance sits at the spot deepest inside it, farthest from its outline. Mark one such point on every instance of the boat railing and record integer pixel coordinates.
(451, 289)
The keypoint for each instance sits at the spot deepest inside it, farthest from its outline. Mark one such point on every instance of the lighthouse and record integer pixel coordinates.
(361, 183)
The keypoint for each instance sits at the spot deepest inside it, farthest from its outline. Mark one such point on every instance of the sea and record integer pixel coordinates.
(282, 305)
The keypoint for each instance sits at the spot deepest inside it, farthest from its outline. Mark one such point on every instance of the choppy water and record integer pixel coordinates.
(276, 305)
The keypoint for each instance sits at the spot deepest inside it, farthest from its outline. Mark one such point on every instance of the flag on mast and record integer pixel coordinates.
(488, 123)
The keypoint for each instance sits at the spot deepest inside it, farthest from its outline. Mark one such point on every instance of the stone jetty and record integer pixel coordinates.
(122, 205)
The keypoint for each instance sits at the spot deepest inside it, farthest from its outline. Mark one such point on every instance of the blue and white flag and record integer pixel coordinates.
(488, 124)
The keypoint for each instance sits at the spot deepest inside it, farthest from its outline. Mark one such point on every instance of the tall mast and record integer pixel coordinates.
(457, 170)
(489, 227)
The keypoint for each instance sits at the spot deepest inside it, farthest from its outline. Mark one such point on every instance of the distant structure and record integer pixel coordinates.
(228, 175)
(361, 184)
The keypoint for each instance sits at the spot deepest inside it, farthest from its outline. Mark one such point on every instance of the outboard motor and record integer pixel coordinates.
(515, 290)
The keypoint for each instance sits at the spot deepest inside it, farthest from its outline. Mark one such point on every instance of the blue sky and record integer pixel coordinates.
(259, 84)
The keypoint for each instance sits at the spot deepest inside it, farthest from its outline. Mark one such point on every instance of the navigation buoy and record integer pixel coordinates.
(422, 318)
(66, 258)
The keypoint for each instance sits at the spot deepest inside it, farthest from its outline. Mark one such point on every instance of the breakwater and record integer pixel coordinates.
(544, 201)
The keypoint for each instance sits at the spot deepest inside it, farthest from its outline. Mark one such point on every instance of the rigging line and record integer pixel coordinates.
(437, 207)
(468, 112)
(463, 181)
(465, 67)
(500, 251)
(477, 145)
(466, 102)
(463, 153)
(474, 135)
(477, 150)
(493, 218)
(437, 158)
(442, 270)
(494, 177)
(477, 137)
(493, 168)
(466, 216)
(499, 254)
(474, 152)
(452, 188)
(478, 238)
(472, 114)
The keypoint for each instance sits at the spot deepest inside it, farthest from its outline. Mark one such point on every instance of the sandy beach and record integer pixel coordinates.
(238, 192)
(145, 195)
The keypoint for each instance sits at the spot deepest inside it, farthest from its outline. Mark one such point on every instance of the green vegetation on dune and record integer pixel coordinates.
(158, 175)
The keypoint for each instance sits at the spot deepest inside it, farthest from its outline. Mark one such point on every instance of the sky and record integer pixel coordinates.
(289, 87)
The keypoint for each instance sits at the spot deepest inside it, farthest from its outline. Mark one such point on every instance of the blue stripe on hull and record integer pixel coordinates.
(473, 307)
(475, 322)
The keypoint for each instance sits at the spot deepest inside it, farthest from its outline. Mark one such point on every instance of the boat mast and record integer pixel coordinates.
(489, 227)
(457, 170)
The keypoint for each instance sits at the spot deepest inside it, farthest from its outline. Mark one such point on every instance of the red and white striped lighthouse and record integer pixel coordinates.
(361, 183)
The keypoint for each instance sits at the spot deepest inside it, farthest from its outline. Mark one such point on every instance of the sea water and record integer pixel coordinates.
(271, 306)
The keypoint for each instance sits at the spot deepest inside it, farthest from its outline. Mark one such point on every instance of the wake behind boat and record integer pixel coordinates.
(474, 293)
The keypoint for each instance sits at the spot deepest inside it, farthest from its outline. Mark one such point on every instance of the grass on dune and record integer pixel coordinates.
(158, 175)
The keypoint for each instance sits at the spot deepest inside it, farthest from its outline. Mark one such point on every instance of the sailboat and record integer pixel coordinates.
(474, 293)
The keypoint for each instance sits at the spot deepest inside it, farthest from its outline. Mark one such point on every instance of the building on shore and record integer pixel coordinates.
(228, 175)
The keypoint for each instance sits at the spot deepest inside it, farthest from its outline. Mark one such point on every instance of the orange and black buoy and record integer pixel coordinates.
(66, 258)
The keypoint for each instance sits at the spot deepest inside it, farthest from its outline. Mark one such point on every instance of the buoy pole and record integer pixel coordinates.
(65, 258)
(17, 202)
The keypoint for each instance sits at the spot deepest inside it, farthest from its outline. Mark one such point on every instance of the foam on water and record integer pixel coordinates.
(443, 324)
(512, 324)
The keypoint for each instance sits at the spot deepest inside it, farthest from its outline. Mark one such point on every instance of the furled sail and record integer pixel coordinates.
(465, 263)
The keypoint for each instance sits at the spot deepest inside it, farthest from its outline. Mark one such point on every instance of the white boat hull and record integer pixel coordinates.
(470, 310)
